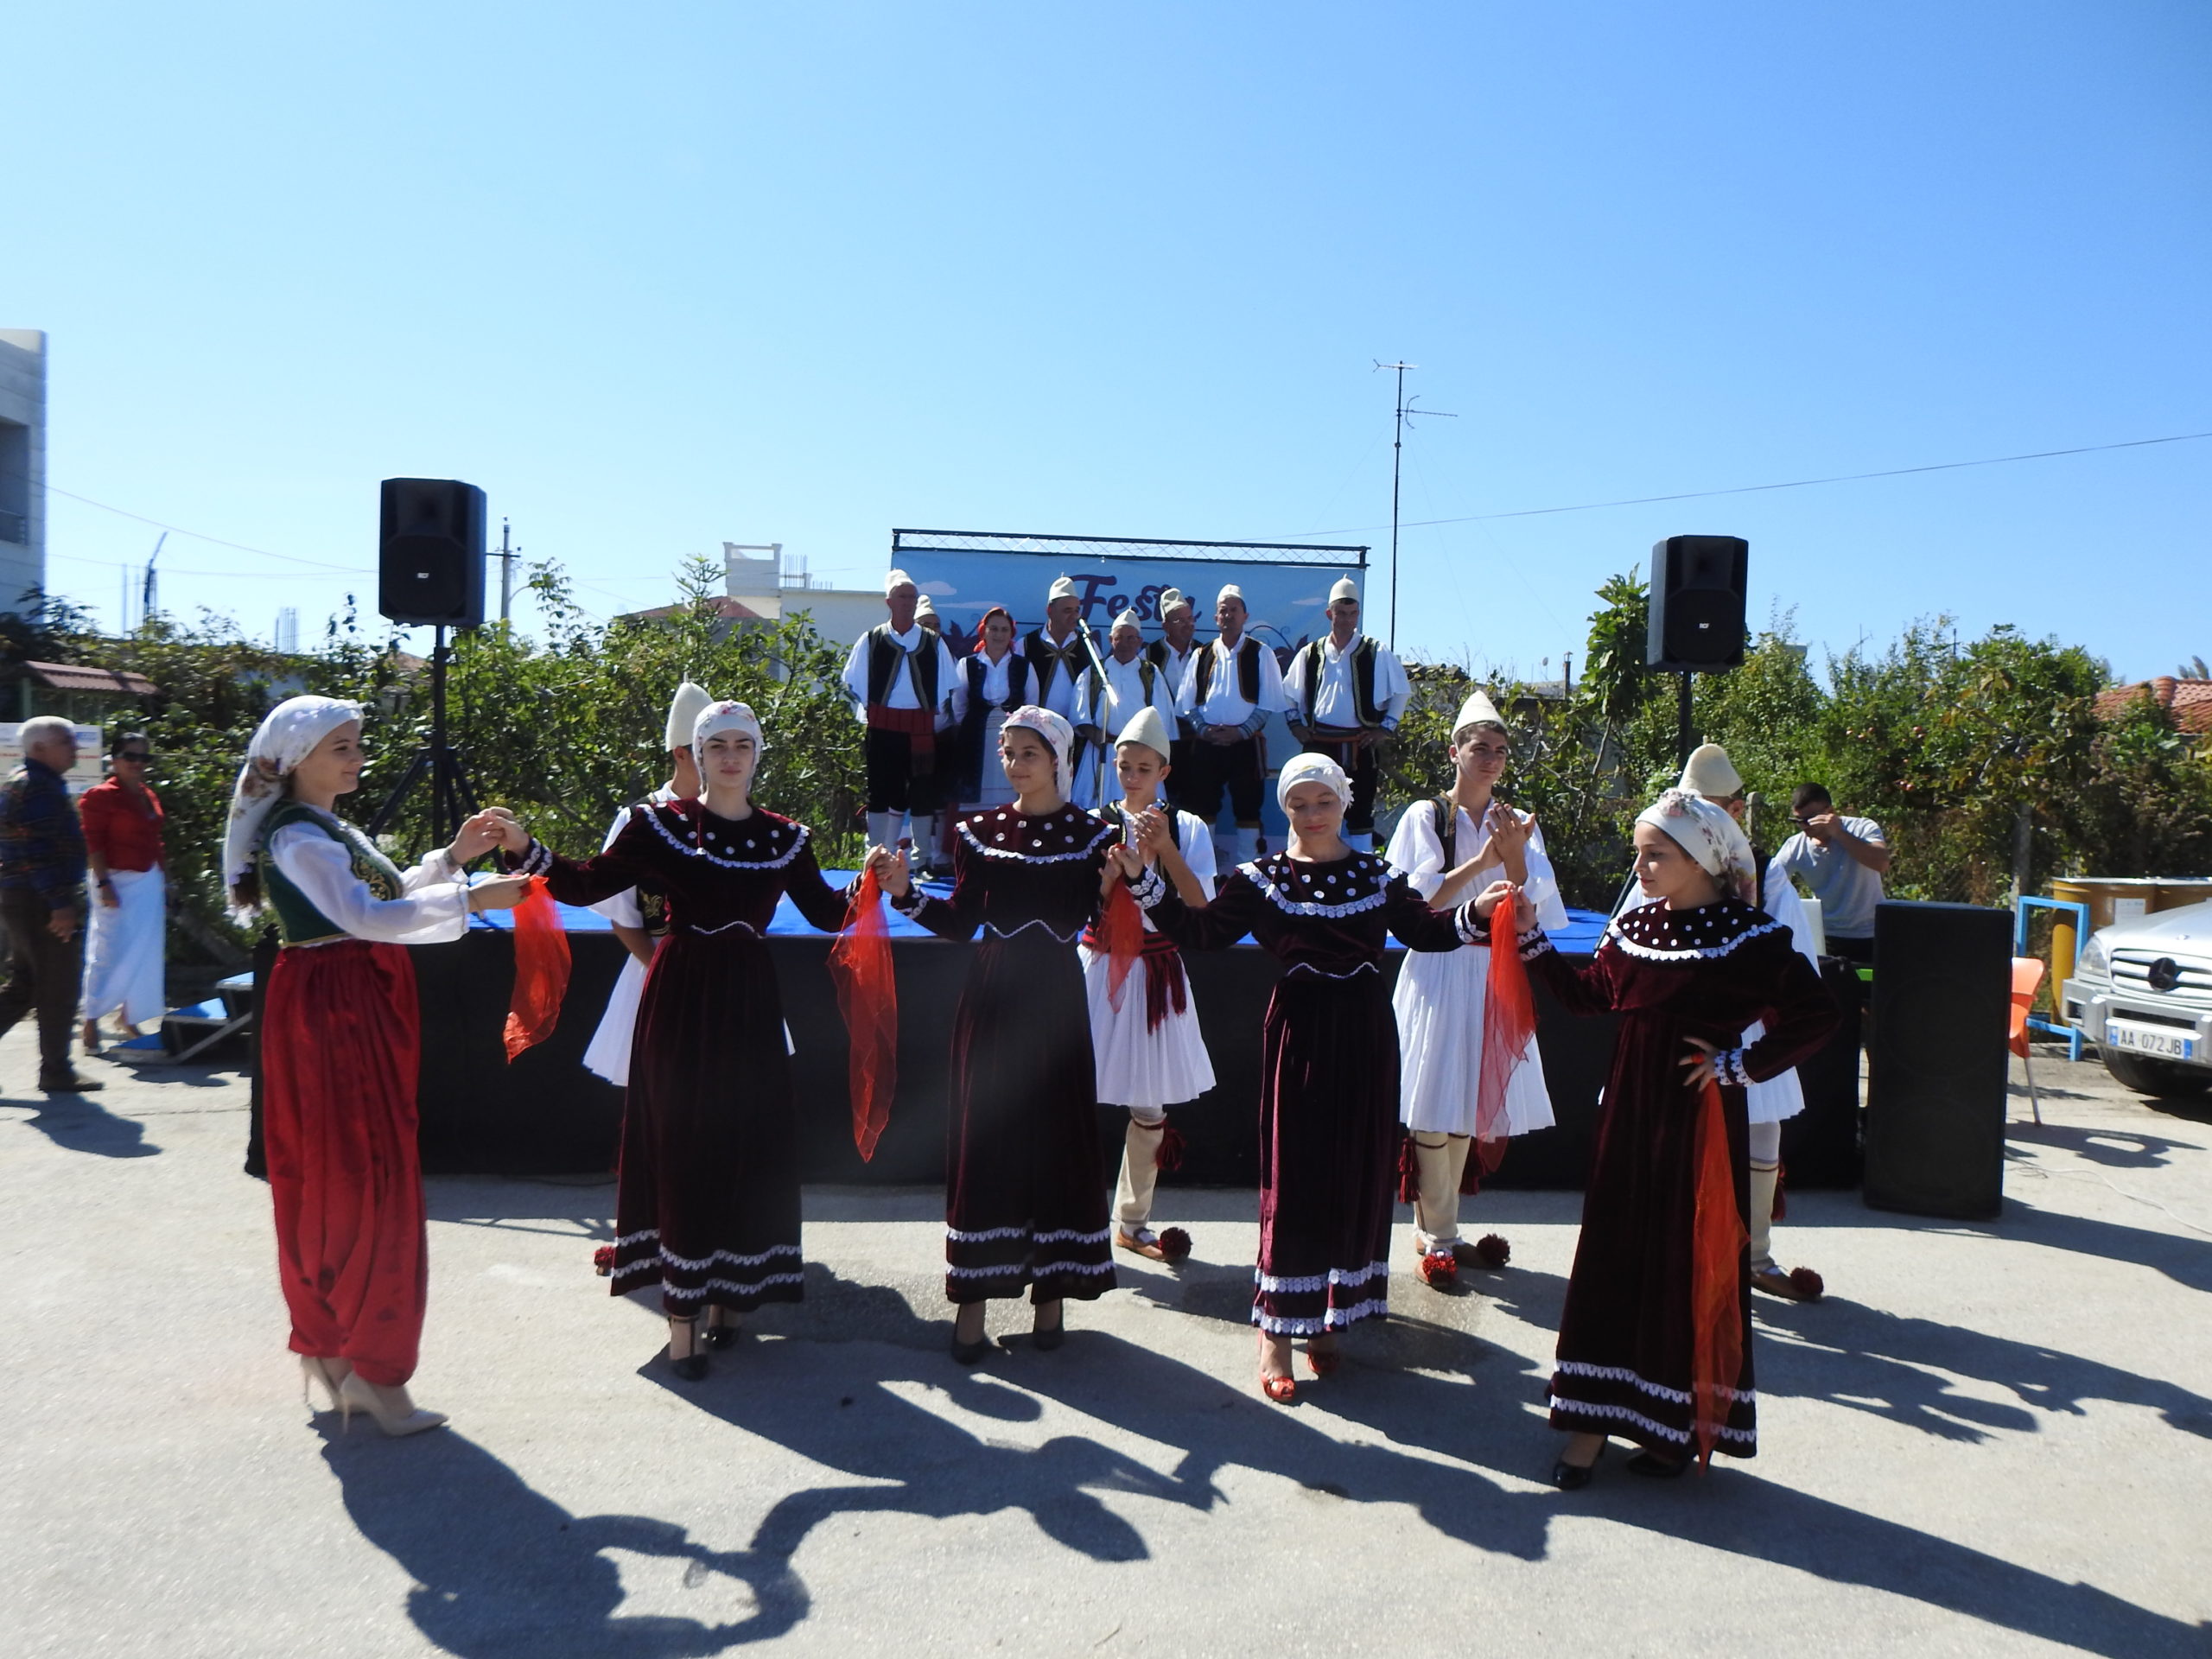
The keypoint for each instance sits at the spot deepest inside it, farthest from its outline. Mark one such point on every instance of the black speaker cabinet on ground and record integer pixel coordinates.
(1935, 1091)
(1697, 603)
(430, 568)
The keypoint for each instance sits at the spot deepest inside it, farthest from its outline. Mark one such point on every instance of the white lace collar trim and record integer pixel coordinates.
(1054, 839)
(770, 832)
(1360, 867)
(1703, 935)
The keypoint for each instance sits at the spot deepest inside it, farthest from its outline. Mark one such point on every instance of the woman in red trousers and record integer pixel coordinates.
(339, 1045)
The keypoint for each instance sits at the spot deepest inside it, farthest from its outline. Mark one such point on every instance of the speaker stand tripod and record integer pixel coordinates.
(452, 800)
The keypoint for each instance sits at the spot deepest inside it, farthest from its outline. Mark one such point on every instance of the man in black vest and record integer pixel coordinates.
(1171, 654)
(901, 679)
(1056, 657)
(1234, 683)
(1347, 693)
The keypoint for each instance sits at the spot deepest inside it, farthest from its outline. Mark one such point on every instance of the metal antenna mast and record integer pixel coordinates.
(1405, 412)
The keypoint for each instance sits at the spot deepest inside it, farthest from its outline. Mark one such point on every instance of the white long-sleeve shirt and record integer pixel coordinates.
(951, 689)
(433, 904)
(623, 909)
(1335, 700)
(1417, 848)
(1225, 703)
(1124, 696)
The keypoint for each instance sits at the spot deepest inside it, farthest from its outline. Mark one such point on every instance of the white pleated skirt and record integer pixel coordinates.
(1777, 1097)
(1440, 1001)
(1136, 1065)
(608, 1053)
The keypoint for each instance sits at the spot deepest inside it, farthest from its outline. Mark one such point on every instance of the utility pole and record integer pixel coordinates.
(1405, 411)
(506, 571)
(146, 599)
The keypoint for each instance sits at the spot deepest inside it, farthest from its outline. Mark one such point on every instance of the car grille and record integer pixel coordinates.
(2131, 972)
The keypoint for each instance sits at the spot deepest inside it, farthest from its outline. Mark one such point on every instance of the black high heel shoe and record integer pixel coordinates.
(1571, 1476)
(1045, 1338)
(692, 1366)
(967, 1353)
(721, 1330)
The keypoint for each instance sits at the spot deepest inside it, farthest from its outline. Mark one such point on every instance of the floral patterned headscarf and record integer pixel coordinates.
(1708, 835)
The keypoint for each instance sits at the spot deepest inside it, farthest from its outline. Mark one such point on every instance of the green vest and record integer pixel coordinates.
(298, 922)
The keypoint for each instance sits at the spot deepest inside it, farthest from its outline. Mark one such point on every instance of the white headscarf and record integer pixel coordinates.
(1708, 835)
(724, 717)
(286, 736)
(1311, 768)
(1058, 734)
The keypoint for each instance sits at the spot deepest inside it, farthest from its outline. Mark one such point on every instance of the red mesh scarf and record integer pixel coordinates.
(1120, 930)
(1717, 1244)
(541, 970)
(868, 998)
(1509, 1028)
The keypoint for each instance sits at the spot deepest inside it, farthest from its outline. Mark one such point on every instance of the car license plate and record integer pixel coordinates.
(2152, 1040)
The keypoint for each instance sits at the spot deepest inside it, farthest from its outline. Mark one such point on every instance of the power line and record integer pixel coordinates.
(216, 541)
(1752, 489)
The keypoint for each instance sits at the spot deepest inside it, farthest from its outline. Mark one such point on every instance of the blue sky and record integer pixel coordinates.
(800, 274)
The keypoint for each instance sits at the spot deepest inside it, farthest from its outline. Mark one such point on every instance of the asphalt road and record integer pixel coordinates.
(1988, 1440)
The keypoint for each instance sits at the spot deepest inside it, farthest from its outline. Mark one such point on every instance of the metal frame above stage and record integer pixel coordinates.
(1114, 547)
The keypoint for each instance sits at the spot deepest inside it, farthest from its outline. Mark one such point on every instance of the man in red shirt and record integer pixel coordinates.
(125, 948)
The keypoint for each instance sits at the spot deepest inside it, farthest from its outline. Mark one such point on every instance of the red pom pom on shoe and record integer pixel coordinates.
(1808, 1284)
(1440, 1269)
(1174, 1244)
(1493, 1252)
(602, 1259)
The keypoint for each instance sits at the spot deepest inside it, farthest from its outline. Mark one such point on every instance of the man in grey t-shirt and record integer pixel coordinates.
(1842, 861)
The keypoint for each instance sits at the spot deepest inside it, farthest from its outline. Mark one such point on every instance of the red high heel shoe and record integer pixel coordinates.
(1325, 1361)
(1280, 1389)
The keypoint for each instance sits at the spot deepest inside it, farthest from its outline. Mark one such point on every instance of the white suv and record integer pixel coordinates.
(2142, 993)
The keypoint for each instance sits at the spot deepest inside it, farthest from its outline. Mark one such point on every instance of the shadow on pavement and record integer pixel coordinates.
(74, 1123)
(502, 1572)
(2114, 1148)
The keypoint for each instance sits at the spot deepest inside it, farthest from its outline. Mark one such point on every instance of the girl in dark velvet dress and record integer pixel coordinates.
(1329, 1106)
(1024, 1202)
(1655, 1339)
(707, 1204)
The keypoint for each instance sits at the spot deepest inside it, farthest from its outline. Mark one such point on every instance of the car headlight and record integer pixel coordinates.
(2095, 959)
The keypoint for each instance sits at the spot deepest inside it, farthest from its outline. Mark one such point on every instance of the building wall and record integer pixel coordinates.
(22, 463)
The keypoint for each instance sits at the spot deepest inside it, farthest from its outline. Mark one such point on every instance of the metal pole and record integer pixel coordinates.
(506, 571)
(1685, 738)
(1397, 449)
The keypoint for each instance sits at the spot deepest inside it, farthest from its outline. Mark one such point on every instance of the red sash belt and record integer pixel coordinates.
(1164, 984)
(918, 724)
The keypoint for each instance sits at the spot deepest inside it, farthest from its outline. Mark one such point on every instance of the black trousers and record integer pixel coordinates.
(43, 973)
(1362, 762)
(893, 783)
(1216, 767)
(1179, 773)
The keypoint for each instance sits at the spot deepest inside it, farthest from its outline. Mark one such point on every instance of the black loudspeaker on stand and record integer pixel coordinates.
(1697, 604)
(1935, 1094)
(431, 572)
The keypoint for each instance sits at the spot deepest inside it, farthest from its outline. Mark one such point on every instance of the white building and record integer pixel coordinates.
(22, 463)
(758, 586)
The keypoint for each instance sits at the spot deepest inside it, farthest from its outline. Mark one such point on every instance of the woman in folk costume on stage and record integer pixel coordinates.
(1655, 1340)
(996, 679)
(1145, 1034)
(339, 1045)
(126, 932)
(608, 1052)
(1025, 1193)
(1458, 844)
(1328, 1114)
(706, 1203)
(1710, 775)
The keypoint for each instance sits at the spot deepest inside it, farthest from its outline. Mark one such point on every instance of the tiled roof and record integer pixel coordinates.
(2190, 700)
(75, 677)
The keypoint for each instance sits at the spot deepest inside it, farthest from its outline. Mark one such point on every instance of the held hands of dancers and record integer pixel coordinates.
(890, 871)
(1698, 1057)
(1524, 911)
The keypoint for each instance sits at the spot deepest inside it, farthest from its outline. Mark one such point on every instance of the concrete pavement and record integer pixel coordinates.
(1989, 1439)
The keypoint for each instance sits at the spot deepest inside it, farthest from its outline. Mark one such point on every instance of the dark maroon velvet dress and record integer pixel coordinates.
(707, 1200)
(1624, 1365)
(1329, 1079)
(1025, 1199)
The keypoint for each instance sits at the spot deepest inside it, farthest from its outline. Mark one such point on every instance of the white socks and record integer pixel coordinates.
(883, 830)
(1765, 1149)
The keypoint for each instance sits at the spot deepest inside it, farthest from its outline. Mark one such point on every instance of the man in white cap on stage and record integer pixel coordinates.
(1234, 685)
(905, 691)
(626, 913)
(1711, 774)
(1105, 706)
(1171, 653)
(1347, 692)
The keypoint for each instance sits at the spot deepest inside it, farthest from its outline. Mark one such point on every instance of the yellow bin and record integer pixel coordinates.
(2115, 899)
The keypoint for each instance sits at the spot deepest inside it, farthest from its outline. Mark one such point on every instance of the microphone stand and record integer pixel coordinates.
(1105, 693)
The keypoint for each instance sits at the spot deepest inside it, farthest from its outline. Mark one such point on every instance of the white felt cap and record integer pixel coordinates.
(1063, 589)
(684, 711)
(893, 581)
(1478, 710)
(1712, 773)
(1146, 726)
(1346, 588)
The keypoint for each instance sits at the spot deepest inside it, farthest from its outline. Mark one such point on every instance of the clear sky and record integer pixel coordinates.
(660, 277)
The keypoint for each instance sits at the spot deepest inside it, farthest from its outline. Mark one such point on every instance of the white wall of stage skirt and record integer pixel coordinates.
(125, 945)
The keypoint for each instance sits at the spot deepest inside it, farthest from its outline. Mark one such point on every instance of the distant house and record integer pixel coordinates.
(2190, 701)
(89, 696)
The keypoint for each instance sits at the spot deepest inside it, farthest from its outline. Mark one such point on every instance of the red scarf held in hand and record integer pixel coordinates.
(1508, 1026)
(541, 970)
(1717, 1244)
(1121, 929)
(868, 999)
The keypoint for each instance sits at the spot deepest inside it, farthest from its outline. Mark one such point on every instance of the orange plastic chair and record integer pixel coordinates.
(2027, 979)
